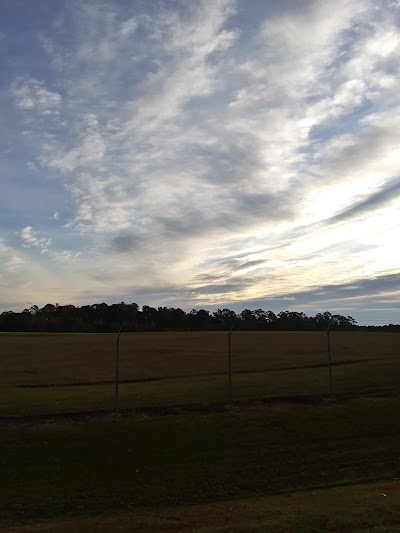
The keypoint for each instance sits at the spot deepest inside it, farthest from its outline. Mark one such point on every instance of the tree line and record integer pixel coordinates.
(108, 318)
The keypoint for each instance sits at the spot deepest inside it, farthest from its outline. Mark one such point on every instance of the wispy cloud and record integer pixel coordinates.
(30, 238)
(32, 95)
(63, 256)
(388, 193)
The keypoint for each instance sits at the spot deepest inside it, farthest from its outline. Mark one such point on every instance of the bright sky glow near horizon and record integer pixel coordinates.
(208, 153)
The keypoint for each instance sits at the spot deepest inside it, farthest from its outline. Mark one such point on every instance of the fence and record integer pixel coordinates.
(56, 373)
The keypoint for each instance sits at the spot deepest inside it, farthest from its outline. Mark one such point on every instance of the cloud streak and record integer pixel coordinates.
(388, 193)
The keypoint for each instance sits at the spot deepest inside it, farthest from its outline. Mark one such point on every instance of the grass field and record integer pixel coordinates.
(301, 464)
(330, 467)
(49, 373)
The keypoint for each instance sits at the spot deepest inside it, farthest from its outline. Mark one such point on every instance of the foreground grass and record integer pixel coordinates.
(246, 470)
(366, 507)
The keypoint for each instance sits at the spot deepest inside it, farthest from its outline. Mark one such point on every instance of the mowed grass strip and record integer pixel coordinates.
(371, 507)
(151, 466)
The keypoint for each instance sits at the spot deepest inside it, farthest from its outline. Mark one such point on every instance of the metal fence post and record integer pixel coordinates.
(230, 363)
(117, 373)
(328, 338)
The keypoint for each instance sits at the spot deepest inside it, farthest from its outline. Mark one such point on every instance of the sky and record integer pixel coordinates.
(201, 154)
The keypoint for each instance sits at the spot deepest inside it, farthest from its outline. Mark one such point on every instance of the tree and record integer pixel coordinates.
(225, 318)
(198, 320)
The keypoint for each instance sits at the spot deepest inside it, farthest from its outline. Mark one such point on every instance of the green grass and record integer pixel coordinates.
(356, 508)
(182, 391)
(185, 368)
(286, 468)
(283, 468)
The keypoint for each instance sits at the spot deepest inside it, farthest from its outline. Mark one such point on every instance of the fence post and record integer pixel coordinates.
(328, 338)
(230, 363)
(117, 373)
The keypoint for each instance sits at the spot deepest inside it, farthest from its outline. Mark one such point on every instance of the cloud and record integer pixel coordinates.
(30, 238)
(125, 243)
(10, 260)
(361, 295)
(32, 95)
(64, 256)
(115, 156)
(358, 291)
(389, 192)
(13, 263)
(247, 265)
